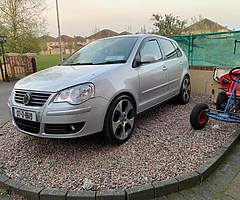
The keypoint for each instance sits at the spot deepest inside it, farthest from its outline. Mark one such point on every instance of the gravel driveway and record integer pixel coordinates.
(163, 146)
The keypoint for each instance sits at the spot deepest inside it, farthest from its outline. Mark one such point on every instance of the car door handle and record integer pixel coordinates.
(180, 62)
(164, 68)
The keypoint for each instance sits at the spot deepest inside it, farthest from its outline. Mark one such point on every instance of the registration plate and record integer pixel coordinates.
(24, 114)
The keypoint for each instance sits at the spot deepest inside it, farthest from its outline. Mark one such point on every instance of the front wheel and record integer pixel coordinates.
(198, 117)
(120, 120)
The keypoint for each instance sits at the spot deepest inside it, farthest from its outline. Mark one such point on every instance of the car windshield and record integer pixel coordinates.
(107, 51)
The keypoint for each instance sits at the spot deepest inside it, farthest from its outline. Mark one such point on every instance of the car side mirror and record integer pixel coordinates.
(143, 60)
(147, 59)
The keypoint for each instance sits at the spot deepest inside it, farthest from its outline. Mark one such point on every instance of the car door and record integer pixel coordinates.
(152, 76)
(174, 65)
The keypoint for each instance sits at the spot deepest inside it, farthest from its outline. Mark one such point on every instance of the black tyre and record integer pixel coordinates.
(185, 91)
(222, 100)
(198, 117)
(120, 120)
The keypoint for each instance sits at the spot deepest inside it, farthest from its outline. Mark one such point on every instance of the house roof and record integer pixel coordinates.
(125, 33)
(205, 25)
(79, 39)
(102, 34)
(65, 38)
(48, 38)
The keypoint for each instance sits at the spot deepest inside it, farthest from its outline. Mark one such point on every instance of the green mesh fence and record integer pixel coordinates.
(214, 49)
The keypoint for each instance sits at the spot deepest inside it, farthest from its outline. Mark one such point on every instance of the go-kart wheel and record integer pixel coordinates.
(233, 74)
(222, 100)
(198, 117)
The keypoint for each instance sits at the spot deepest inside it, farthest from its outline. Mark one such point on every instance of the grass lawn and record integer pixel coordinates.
(46, 61)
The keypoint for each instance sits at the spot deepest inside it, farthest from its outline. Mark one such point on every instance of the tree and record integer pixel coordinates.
(168, 24)
(23, 20)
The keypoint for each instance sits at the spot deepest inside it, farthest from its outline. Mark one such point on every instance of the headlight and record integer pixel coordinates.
(76, 94)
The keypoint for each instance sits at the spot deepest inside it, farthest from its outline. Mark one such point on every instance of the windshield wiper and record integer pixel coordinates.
(111, 62)
(75, 64)
(100, 63)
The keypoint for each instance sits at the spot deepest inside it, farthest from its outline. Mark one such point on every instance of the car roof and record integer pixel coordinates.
(139, 36)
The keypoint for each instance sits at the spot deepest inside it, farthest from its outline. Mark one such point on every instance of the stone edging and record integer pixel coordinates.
(144, 192)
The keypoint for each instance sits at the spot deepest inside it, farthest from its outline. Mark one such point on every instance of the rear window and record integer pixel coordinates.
(168, 48)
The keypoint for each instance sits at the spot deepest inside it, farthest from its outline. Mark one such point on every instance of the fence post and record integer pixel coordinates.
(1, 70)
(34, 65)
(4, 62)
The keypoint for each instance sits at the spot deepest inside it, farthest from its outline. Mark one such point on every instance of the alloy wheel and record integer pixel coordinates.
(186, 89)
(123, 119)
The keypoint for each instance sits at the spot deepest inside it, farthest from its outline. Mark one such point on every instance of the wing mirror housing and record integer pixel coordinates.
(143, 60)
(147, 59)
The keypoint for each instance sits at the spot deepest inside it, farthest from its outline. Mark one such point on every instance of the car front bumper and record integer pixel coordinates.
(89, 116)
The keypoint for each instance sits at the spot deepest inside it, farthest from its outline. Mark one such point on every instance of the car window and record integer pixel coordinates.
(151, 48)
(179, 53)
(107, 51)
(168, 48)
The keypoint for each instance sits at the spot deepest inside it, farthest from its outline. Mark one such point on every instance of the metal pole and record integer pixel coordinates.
(4, 62)
(59, 33)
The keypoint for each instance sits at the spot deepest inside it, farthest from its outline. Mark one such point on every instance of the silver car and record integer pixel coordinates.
(101, 87)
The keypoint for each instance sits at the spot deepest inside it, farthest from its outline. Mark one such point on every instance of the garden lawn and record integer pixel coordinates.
(46, 61)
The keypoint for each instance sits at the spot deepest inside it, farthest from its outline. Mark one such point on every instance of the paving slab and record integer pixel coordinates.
(5, 91)
(233, 189)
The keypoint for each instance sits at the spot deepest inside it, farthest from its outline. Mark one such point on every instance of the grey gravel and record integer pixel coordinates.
(163, 146)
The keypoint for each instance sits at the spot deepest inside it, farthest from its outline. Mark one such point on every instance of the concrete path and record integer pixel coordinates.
(223, 184)
(5, 91)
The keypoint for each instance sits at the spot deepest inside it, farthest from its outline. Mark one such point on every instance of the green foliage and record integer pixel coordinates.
(25, 44)
(22, 21)
(168, 24)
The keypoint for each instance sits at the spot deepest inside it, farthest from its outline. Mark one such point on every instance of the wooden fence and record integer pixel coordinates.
(17, 66)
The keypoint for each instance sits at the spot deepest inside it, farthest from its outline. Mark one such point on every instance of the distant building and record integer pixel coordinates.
(50, 45)
(205, 26)
(101, 34)
(79, 42)
(124, 33)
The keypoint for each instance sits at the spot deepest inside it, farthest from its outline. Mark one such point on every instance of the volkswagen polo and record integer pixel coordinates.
(101, 88)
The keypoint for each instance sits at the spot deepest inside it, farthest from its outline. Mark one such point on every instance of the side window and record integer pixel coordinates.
(168, 48)
(151, 48)
(179, 53)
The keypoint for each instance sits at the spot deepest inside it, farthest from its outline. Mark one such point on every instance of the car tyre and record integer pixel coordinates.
(198, 117)
(120, 120)
(185, 91)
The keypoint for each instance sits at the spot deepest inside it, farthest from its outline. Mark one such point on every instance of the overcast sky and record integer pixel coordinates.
(80, 17)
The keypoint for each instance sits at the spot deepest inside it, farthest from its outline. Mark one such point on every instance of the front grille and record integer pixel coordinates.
(29, 126)
(37, 98)
(63, 128)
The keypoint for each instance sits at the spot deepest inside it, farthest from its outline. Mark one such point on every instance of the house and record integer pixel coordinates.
(101, 34)
(50, 45)
(79, 42)
(124, 33)
(205, 26)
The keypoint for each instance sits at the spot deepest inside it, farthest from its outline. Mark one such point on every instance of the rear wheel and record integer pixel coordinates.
(198, 117)
(120, 120)
(185, 92)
